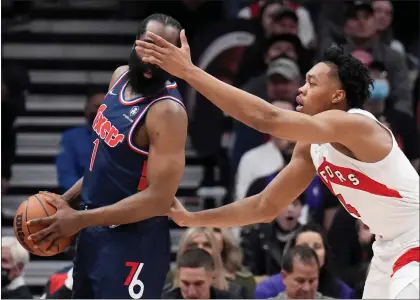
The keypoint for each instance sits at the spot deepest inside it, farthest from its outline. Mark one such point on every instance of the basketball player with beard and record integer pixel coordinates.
(123, 248)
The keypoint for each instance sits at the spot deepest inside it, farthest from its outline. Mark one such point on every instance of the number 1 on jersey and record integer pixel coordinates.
(92, 159)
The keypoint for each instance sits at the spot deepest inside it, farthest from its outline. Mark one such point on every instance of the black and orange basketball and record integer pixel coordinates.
(33, 208)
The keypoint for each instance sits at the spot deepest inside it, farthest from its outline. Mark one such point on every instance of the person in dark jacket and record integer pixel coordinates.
(263, 244)
(195, 268)
(313, 236)
(76, 144)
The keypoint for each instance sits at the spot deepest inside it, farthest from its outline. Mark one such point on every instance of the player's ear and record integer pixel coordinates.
(338, 96)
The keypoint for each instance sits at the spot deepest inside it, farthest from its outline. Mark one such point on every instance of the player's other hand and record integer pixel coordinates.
(180, 215)
(174, 60)
(64, 223)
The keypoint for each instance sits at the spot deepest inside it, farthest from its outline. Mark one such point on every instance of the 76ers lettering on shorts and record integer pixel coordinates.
(123, 262)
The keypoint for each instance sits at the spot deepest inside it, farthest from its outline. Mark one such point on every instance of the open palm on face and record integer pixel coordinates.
(158, 51)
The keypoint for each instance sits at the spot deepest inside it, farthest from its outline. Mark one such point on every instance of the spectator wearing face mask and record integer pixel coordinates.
(360, 30)
(76, 145)
(13, 260)
(401, 124)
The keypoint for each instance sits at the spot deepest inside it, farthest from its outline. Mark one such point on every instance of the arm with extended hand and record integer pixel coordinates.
(253, 111)
(164, 173)
(261, 208)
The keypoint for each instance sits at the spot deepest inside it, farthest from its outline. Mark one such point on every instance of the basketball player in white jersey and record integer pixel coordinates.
(356, 157)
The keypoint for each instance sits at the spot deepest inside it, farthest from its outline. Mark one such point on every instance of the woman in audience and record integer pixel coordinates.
(205, 239)
(313, 236)
(232, 259)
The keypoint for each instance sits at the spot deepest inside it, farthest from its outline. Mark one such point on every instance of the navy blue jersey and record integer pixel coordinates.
(118, 166)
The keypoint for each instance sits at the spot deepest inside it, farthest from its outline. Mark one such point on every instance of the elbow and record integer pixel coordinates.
(267, 212)
(265, 120)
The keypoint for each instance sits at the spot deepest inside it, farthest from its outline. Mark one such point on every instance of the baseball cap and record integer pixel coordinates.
(284, 67)
(357, 5)
(285, 12)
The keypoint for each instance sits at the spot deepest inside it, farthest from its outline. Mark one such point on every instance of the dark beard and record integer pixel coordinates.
(141, 85)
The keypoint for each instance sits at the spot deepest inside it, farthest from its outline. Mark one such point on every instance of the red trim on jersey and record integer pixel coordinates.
(365, 183)
(254, 10)
(408, 257)
(56, 282)
(116, 82)
(143, 181)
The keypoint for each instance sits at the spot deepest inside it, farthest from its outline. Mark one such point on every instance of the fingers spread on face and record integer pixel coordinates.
(158, 40)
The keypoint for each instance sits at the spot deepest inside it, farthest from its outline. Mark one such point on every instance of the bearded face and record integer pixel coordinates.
(145, 78)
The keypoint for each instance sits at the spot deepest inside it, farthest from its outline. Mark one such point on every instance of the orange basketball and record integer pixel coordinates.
(33, 208)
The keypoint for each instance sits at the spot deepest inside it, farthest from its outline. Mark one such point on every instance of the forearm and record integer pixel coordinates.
(240, 105)
(135, 208)
(74, 192)
(242, 212)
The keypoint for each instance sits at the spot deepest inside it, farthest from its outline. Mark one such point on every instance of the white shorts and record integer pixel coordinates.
(382, 283)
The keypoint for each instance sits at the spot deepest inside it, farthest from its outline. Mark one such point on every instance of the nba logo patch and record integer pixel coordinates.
(134, 111)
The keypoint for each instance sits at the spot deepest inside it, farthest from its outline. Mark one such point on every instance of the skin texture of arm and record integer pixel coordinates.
(326, 127)
(263, 207)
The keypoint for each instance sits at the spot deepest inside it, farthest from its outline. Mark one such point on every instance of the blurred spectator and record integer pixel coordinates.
(383, 13)
(60, 284)
(263, 244)
(266, 11)
(354, 252)
(416, 102)
(232, 258)
(253, 172)
(76, 145)
(279, 83)
(401, 124)
(313, 236)
(205, 239)
(14, 85)
(300, 273)
(276, 19)
(13, 260)
(360, 30)
(196, 270)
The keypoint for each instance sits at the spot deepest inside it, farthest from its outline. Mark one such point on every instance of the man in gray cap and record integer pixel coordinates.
(279, 83)
(283, 80)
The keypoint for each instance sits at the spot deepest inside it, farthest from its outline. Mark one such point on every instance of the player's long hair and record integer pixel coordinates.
(232, 255)
(186, 243)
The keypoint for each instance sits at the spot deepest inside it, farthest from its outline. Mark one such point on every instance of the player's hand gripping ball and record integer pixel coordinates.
(41, 224)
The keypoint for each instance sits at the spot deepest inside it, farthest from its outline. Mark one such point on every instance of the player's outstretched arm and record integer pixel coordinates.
(166, 125)
(264, 207)
(247, 108)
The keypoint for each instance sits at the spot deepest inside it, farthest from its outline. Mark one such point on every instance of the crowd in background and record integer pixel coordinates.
(314, 249)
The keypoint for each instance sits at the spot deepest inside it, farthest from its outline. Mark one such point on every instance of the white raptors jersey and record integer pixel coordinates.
(384, 195)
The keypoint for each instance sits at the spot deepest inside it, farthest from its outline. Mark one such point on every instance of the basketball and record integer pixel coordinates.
(36, 207)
